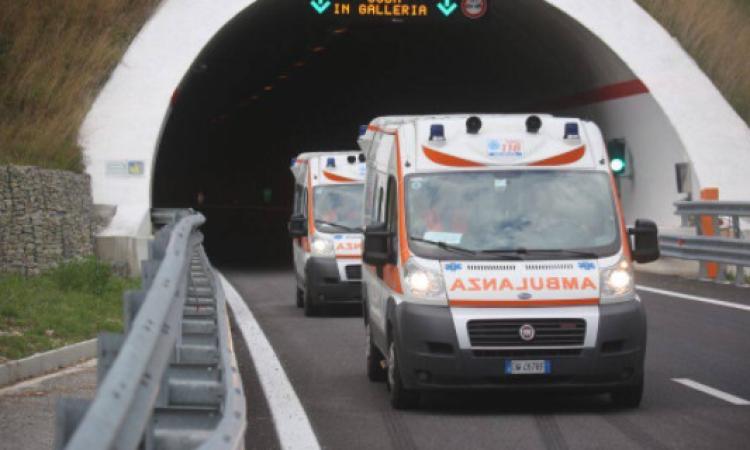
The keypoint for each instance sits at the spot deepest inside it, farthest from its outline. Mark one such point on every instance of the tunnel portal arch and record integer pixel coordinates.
(260, 81)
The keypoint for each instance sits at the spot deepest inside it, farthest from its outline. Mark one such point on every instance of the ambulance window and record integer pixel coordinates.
(379, 215)
(298, 200)
(391, 206)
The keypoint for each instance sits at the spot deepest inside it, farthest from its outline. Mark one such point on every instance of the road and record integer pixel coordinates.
(324, 360)
(27, 409)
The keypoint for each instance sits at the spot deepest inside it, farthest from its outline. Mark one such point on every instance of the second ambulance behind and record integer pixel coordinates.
(326, 228)
(496, 256)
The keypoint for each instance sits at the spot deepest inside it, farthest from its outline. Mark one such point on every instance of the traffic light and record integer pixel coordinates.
(619, 160)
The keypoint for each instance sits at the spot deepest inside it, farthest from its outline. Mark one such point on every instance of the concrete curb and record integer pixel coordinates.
(42, 363)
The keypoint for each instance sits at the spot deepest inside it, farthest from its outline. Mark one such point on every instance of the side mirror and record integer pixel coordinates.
(646, 248)
(298, 226)
(377, 249)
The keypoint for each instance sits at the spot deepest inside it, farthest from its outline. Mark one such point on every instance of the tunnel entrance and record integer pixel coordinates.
(280, 79)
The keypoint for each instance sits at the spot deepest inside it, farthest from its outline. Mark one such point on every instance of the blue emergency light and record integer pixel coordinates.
(294, 161)
(362, 130)
(571, 131)
(331, 162)
(437, 132)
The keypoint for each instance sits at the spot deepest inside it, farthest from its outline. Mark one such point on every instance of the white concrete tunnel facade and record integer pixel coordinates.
(653, 94)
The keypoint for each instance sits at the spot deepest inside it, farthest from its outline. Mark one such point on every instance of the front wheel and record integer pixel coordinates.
(300, 298)
(375, 370)
(401, 398)
(628, 397)
(311, 309)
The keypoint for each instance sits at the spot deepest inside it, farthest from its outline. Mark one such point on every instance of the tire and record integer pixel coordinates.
(375, 372)
(300, 298)
(401, 398)
(311, 310)
(628, 397)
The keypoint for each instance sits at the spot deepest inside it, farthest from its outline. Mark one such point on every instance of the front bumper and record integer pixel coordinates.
(431, 359)
(325, 286)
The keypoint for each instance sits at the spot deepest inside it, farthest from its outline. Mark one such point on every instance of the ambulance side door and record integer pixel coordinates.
(300, 207)
(375, 288)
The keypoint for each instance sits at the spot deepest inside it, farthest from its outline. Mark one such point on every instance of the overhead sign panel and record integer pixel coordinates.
(398, 9)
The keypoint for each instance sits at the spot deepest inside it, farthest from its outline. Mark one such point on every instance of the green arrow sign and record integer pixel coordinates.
(321, 5)
(447, 7)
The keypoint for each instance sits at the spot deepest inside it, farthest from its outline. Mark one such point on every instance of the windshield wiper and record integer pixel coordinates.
(508, 253)
(577, 253)
(444, 246)
(525, 251)
(338, 225)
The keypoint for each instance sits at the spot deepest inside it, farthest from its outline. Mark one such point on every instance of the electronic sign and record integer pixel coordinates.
(398, 9)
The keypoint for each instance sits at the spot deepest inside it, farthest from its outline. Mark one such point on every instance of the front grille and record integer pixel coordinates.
(505, 332)
(528, 353)
(354, 272)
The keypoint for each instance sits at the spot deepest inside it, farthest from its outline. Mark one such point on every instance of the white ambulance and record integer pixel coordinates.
(326, 228)
(496, 256)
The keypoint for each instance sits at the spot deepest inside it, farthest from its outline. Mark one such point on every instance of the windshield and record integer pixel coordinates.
(338, 207)
(555, 213)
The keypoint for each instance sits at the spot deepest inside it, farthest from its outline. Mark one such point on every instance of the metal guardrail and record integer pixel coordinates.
(171, 381)
(723, 250)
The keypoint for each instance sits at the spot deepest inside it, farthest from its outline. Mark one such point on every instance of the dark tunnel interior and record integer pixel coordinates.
(279, 80)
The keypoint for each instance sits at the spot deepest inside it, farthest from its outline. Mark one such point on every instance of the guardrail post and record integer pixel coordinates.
(149, 268)
(707, 226)
(108, 346)
(132, 301)
(68, 414)
(739, 275)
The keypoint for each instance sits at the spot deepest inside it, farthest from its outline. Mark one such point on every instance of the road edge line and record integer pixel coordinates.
(713, 392)
(291, 422)
(711, 301)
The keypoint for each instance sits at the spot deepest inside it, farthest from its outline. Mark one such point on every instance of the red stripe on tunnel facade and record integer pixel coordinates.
(598, 95)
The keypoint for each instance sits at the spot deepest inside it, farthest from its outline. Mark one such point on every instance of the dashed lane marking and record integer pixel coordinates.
(733, 399)
(711, 301)
(292, 424)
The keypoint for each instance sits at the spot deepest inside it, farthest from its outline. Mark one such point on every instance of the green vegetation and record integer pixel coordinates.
(716, 34)
(66, 305)
(55, 55)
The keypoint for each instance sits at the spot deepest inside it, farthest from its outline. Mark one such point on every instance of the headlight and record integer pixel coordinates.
(423, 283)
(617, 283)
(322, 247)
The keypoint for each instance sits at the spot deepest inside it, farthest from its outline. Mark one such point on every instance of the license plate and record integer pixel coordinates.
(527, 367)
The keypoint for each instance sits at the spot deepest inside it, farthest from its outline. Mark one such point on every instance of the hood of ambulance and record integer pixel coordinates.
(505, 283)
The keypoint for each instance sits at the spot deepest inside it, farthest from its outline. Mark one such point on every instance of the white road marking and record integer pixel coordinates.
(292, 424)
(15, 388)
(713, 392)
(696, 298)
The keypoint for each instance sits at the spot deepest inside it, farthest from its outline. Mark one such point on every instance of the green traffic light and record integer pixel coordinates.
(617, 165)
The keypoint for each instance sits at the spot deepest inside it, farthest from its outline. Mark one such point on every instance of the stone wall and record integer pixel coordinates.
(46, 217)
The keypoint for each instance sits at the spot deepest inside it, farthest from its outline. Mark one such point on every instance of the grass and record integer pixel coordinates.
(716, 33)
(66, 305)
(55, 55)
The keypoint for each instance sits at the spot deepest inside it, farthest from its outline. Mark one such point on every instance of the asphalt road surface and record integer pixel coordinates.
(324, 359)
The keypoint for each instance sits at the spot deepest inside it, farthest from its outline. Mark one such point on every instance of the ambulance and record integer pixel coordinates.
(326, 228)
(496, 257)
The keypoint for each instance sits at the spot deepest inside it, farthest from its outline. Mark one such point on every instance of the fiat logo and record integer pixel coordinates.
(527, 332)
